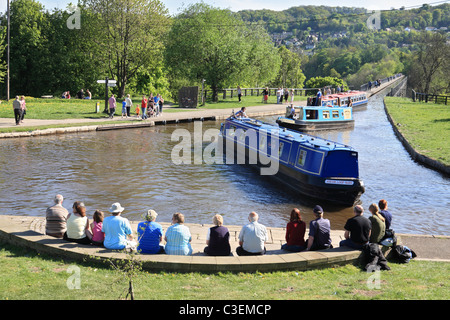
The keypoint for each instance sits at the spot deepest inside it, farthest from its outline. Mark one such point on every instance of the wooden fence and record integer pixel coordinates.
(433, 98)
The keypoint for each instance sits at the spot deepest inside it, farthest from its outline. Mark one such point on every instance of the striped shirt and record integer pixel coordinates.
(178, 240)
(56, 221)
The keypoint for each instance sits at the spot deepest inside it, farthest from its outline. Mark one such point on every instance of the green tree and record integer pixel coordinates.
(215, 45)
(130, 34)
(321, 82)
(26, 65)
(430, 62)
(290, 74)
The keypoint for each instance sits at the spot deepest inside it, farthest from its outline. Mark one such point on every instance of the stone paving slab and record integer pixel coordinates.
(27, 231)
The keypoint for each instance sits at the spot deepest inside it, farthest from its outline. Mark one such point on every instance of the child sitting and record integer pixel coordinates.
(96, 226)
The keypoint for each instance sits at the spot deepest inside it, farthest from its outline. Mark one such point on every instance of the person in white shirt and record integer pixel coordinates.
(252, 238)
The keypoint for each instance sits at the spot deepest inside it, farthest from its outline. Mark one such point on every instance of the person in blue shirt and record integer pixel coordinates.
(118, 233)
(156, 105)
(319, 96)
(150, 234)
(178, 237)
(382, 204)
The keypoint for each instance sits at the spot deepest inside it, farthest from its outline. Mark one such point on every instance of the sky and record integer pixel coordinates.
(237, 5)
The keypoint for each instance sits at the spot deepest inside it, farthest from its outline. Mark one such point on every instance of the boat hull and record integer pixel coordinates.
(339, 191)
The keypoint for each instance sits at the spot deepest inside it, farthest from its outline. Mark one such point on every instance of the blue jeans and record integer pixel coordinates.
(349, 243)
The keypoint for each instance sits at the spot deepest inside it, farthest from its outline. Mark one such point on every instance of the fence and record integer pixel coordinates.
(434, 98)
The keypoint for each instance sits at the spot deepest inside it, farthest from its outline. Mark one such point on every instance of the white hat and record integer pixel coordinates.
(150, 215)
(116, 208)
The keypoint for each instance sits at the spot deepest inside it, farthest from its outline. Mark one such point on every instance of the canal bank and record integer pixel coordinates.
(415, 155)
(28, 231)
(187, 115)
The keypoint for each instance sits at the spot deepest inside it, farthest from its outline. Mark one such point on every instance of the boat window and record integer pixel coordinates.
(335, 113)
(302, 157)
(241, 134)
(311, 114)
(262, 142)
(280, 149)
(347, 114)
(326, 114)
(231, 131)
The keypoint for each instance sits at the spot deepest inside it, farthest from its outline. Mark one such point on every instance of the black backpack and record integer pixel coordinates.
(403, 254)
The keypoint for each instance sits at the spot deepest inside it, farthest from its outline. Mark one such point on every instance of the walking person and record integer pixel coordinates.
(112, 106)
(129, 104)
(265, 95)
(17, 110)
(144, 107)
(23, 106)
(161, 103)
(239, 92)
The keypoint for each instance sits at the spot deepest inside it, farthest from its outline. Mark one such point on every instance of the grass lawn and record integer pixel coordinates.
(27, 275)
(426, 126)
(38, 108)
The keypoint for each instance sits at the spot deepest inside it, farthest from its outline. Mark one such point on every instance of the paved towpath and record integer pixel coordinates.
(265, 109)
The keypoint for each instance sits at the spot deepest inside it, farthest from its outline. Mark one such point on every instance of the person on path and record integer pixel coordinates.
(17, 106)
(112, 106)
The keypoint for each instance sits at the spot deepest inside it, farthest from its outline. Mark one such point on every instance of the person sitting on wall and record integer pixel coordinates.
(252, 237)
(56, 218)
(295, 233)
(178, 237)
(357, 230)
(319, 232)
(218, 238)
(118, 233)
(150, 234)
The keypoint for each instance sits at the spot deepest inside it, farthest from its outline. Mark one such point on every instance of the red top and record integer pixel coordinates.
(144, 103)
(295, 233)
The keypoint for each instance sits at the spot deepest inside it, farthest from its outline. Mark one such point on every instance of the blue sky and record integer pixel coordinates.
(236, 5)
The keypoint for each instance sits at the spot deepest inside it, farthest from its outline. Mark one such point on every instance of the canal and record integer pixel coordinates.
(134, 167)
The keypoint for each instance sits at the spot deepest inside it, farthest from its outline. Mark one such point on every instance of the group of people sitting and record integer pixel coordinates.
(115, 232)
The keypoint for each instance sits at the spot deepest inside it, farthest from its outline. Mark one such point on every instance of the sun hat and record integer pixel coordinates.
(150, 215)
(116, 208)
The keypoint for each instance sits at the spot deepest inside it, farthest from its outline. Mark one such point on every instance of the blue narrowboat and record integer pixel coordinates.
(310, 119)
(308, 165)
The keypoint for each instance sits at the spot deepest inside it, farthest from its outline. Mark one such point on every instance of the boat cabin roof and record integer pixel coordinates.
(290, 135)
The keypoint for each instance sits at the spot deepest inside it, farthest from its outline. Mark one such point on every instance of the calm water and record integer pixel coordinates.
(134, 167)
